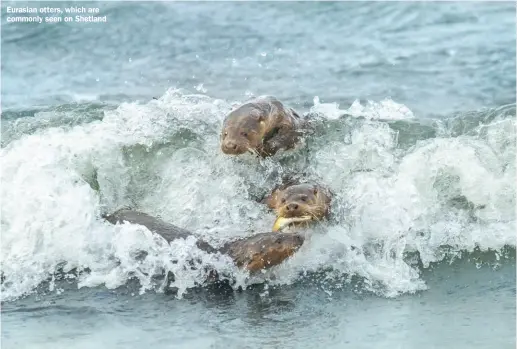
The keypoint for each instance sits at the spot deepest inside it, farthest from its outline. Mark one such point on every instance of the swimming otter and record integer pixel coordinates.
(254, 253)
(262, 126)
(297, 203)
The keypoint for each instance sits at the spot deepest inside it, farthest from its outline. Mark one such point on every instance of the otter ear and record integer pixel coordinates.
(315, 190)
(259, 115)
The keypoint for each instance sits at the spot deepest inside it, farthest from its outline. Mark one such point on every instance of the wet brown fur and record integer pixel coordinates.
(262, 251)
(262, 126)
(253, 253)
(297, 200)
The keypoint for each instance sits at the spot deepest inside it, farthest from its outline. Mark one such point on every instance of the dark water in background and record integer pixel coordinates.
(426, 176)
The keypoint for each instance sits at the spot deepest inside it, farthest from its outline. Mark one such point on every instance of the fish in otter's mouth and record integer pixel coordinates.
(298, 203)
(283, 222)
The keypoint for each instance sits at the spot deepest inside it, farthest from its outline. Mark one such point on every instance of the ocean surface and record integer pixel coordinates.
(415, 133)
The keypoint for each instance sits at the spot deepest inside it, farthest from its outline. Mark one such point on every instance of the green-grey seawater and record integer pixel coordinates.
(413, 107)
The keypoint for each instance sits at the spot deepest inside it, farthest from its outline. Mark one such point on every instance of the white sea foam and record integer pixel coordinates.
(387, 109)
(163, 158)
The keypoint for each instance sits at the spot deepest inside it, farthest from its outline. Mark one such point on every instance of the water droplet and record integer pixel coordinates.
(201, 88)
(263, 54)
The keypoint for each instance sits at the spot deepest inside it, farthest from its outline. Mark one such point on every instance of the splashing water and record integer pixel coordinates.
(437, 196)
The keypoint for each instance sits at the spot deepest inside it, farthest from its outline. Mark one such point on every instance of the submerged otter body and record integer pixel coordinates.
(297, 203)
(253, 253)
(262, 126)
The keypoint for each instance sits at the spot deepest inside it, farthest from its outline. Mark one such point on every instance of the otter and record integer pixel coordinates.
(295, 203)
(261, 126)
(254, 253)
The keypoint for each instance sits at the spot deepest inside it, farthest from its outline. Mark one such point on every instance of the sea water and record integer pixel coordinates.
(413, 108)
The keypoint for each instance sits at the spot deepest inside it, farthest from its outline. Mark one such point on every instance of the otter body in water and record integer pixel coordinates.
(297, 203)
(253, 253)
(262, 126)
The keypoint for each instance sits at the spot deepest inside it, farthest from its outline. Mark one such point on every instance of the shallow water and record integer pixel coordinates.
(414, 112)
(461, 297)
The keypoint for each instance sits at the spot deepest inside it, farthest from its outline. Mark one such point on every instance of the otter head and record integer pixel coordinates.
(243, 131)
(264, 250)
(298, 203)
(274, 251)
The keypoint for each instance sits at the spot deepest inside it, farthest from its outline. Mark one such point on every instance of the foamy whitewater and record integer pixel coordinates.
(407, 193)
(413, 129)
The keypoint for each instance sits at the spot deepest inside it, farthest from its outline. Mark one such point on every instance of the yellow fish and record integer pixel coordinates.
(282, 222)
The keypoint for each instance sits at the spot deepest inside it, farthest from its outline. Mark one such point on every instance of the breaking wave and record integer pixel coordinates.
(409, 192)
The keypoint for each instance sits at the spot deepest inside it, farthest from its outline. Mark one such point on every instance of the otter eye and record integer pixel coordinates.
(225, 134)
(283, 200)
(244, 134)
(304, 199)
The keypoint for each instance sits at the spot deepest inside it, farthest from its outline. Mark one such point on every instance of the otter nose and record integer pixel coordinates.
(292, 207)
(230, 145)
